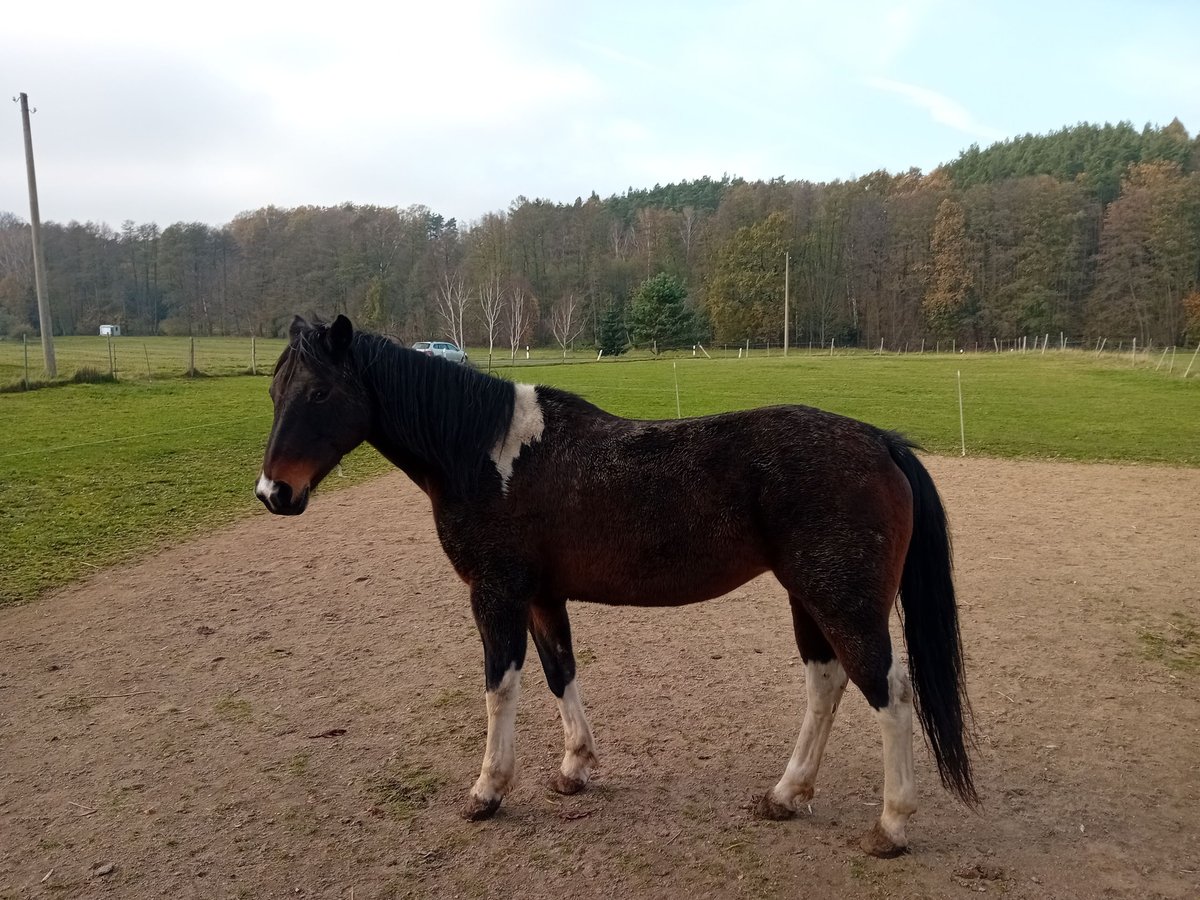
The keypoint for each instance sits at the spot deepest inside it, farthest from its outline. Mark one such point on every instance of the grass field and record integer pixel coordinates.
(92, 473)
(136, 358)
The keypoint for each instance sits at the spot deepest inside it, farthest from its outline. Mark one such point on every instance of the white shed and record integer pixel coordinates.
(110, 330)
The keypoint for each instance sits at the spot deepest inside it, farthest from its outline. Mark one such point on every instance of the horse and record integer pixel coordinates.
(539, 496)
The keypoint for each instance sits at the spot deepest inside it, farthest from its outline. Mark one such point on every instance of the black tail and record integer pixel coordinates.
(930, 617)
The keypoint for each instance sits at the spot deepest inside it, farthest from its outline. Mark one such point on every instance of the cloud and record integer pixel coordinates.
(941, 108)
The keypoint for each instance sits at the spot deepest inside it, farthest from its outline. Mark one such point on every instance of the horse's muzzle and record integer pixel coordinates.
(279, 498)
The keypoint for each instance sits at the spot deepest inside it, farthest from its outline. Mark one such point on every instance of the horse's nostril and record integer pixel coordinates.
(283, 494)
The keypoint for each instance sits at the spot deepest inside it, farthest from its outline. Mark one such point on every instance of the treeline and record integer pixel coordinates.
(1092, 230)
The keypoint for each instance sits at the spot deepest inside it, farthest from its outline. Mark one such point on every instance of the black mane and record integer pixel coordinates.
(447, 416)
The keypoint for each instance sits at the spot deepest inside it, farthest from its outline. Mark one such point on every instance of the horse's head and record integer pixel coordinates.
(321, 414)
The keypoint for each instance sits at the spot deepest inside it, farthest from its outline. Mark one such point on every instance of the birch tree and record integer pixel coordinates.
(491, 307)
(453, 298)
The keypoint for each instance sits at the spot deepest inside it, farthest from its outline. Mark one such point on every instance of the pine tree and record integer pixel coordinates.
(658, 315)
(612, 338)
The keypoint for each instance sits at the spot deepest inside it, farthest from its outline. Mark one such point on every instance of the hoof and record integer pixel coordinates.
(565, 784)
(477, 809)
(876, 843)
(770, 808)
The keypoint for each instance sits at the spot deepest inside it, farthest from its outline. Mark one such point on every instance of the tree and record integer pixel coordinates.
(613, 339)
(745, 294)
(453, 298)
(946, 300)
(520, 313)
(491, 307)
(565, 321)
(373, 305)
(1191, 308)
(1149, 256)
(658, 315)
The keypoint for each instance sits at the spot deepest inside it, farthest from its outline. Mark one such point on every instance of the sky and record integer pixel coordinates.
(196, 112)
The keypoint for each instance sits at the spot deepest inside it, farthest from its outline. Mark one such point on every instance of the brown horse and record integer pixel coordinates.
(540, 497)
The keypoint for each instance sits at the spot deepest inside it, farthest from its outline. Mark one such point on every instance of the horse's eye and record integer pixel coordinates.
(318, 396)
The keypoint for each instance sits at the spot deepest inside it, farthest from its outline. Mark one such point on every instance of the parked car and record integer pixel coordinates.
(444, 349)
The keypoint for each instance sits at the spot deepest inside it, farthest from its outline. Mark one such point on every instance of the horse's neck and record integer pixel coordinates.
(417, 437)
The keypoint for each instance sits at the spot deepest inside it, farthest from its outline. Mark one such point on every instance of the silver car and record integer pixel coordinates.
(444, 349)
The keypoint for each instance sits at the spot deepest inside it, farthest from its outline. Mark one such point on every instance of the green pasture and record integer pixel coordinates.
(91, 474)
(139, 358)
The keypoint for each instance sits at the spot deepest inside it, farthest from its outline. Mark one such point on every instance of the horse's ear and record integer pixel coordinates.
(298, 325)
(340, 333)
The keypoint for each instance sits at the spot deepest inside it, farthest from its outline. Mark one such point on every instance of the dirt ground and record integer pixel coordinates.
(294, 707)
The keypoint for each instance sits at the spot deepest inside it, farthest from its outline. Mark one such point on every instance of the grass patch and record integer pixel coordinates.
(75, 703)
(584, 656)
(1065, 405)
(1176, 645)
(405, 790)
(452, 697)
(233, 709)
(298, 765)
(93, 474)
(140, 358)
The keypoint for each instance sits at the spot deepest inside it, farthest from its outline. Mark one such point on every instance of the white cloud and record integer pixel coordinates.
(941, 109)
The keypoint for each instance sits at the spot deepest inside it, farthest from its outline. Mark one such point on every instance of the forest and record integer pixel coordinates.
(1088, 231)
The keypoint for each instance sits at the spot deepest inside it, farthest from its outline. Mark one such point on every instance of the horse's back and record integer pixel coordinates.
(666, 512)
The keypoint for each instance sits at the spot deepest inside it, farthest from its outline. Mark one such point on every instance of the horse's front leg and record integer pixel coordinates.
(502, 616)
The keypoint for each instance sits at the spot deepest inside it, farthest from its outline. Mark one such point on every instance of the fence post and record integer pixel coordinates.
(192, 358)
(112, 363)
(25, 344)
(962, 428)
(1193, 362)
(253, 358)
(149, 374)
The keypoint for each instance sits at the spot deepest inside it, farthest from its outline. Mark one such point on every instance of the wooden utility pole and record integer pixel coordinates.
(787, 260)
(39, 258)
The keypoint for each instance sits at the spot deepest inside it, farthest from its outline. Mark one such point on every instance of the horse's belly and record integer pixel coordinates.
(654, 577)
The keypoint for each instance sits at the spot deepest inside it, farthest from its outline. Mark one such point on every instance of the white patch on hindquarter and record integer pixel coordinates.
(579, 747)
(500, 756)
(524, 428)
(899, 780)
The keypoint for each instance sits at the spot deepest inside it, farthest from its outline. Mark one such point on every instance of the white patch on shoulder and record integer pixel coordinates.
(524, 428)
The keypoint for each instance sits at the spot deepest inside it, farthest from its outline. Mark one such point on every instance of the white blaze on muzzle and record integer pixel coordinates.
(266, 489)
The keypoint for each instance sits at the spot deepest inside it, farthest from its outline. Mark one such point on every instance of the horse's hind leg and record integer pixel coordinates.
(824, 681)
(894, 712)
(551, 630)
(858, 633)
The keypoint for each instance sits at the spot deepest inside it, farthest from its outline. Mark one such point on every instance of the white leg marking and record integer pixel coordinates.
(524, 428)
(500, 756)
(825, 683)
(579, 746)
(899, 780)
